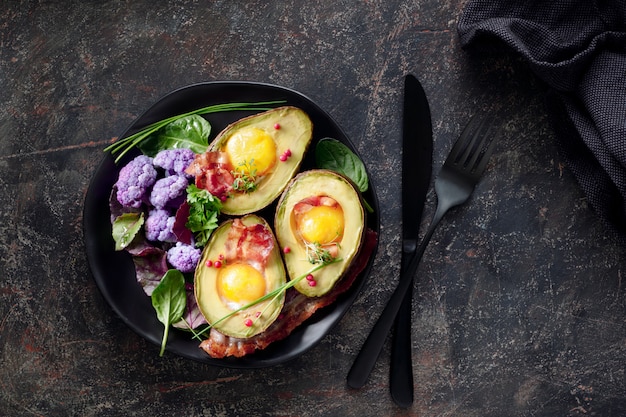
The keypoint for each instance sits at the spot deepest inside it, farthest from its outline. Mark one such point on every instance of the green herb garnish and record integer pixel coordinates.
(185, 132)
(271, 295)
(316, 253)
(245, 177)
(204, 209)
(122, 146)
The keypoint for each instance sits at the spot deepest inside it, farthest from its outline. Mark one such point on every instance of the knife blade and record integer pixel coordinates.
(417, 156)
(366, 358)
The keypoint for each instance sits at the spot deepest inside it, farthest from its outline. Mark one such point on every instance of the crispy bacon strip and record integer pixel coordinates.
(319, 200)
(296, 310)
(306, 204)
(213, 173)
(252, 243)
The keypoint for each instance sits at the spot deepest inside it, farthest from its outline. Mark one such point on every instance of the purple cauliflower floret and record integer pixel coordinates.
(184, 257)
(159, 225)
(134, 180)
(174, 161)
(169, 192)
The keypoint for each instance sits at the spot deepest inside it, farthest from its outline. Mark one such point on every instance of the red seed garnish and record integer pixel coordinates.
(221, 257)
(277, 126)
(257, 314)
(282, 158)
(217, 264)
(288, 153)
(310, 277)
(247, 322)
(286, 249)
(209, 263)
(312, 283)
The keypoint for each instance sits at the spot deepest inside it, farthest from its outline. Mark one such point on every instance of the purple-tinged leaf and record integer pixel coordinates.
(192, 318)
(182, 233)
(150, 265)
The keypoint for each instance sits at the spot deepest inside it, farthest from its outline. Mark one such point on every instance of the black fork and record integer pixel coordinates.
(455, 183)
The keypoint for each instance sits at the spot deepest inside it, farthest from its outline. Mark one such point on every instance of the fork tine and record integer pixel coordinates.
(463, 143)
(472, 151)
(474, 147)
(480, 137)
(486, 154)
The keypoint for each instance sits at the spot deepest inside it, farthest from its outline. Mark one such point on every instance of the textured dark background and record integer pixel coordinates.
(520, 305)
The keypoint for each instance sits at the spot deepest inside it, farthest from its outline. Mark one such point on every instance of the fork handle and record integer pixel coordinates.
(367, 356)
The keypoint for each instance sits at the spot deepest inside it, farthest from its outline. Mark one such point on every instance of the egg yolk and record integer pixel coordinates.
(240, 284)
(321, 224)
(251, 150)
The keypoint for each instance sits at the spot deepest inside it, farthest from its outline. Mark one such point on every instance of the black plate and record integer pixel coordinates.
(114, 272)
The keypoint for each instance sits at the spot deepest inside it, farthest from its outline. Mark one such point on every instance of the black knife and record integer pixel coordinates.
(417, 159)
(416, 172)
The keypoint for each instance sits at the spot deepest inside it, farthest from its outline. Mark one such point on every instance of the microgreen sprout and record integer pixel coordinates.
(316, 253)
(245, 177)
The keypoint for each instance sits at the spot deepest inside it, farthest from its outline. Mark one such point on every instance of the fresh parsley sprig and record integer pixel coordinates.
(204, 210)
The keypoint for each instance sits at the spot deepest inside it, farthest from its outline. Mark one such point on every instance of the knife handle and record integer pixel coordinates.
(401, 370)
(366, 358)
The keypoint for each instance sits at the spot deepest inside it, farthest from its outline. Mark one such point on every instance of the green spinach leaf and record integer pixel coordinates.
(169, 300)
(124, 145)
(125, 228)
(335, 156)
(186, 132)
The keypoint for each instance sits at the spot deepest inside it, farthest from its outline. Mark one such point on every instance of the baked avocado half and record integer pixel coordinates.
(319, 221)
(265, 151)
(240, 264)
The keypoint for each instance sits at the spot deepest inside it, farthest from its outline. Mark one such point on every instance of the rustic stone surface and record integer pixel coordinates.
(520, 305)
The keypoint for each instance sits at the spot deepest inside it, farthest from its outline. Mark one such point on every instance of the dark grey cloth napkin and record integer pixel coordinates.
(578, 47)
